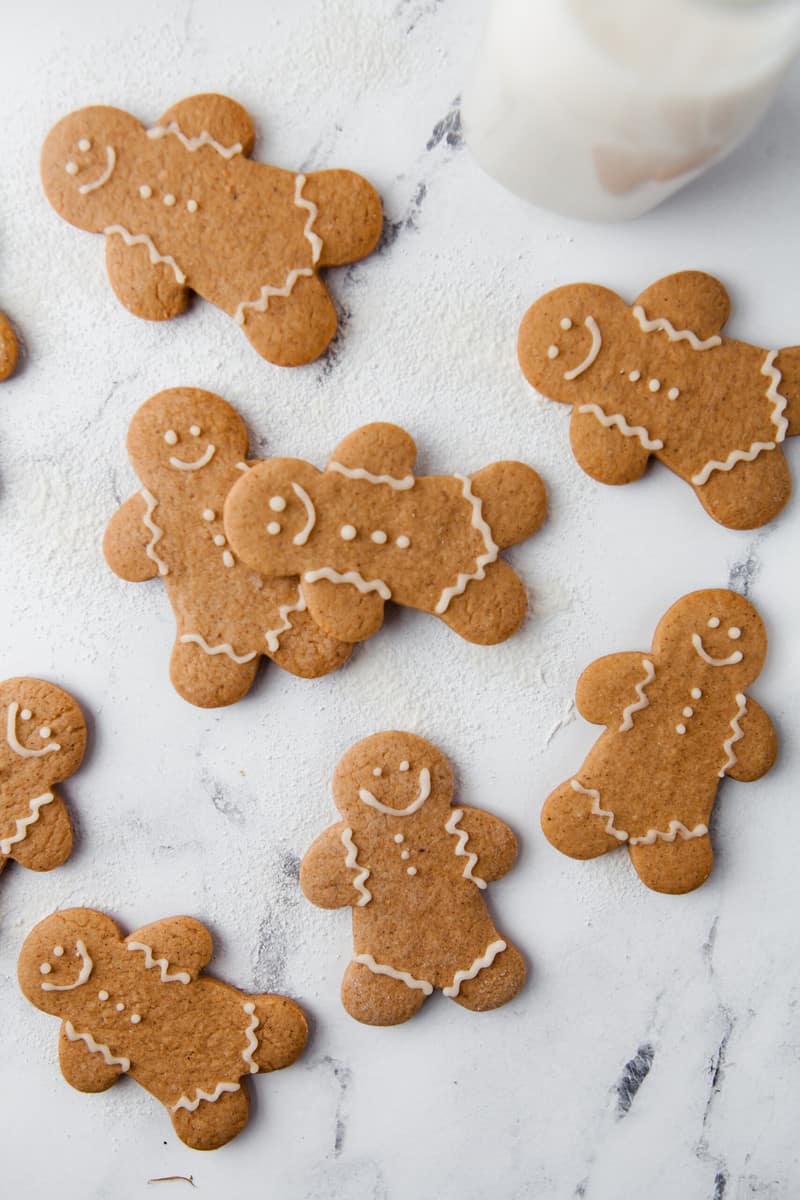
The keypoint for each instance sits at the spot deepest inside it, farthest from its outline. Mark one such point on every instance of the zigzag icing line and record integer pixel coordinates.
(485, 960)
(308, 231)
(779, 402)
(142, 239)
(222, 648)
(250, 1033)
(617, 419)
(194, 143)
(199, 1095)
(675, 828)
(463, 837)
(24, 823)
(262, 303)
(482, 561)
(161, 963)
(273, 636)
(642, 702)
(96, 1047)
(674, 335)
(597, 811)
(736, 735)
(156, 530)
(351, 861)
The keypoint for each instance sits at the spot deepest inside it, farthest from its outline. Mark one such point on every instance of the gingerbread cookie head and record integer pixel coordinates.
(87, 166)
(183, 435)
(717, 633)
(273, 520)
(395, 774)
(66, 953)
(43, 735)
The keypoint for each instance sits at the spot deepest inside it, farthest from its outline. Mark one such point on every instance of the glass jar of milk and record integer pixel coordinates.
(603, 108)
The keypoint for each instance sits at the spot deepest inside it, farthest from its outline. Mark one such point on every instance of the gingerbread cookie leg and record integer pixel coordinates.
(490, 609)
(151, 290)
(211, 1125)
(750, 494)
(308, 651)
(282, 1032)
(349, 217)
(291, 330)
(82, 1061)
(210, 680)
(376, 999)
(674, 867)
(48, 840)
(575, 823)
(496, 983)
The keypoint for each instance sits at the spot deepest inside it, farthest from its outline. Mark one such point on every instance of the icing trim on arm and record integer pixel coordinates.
(597, 811)
(83, 975)
(111, 160)
(351, 861)
(730, 661)
(594, 350)
(222, 648)
(482, 561)
(737, 733)
(617, 419)
(250, 1034)
(451, 826)
(642, 702)
(357, 580)
(16, 745)
(674, 335)
(399, 485)
(484, 960)
(194, 143)
(273, 636)
(779, 402)
(404, 976)
(23, 823)
(424, 792)
(161, 963)
(156, 531)
(312, 238)
(142, 239)
(302, 537)
(96, 1047)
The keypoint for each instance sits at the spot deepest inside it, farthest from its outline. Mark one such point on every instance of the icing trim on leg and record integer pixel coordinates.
(405, 977)
(484, 960)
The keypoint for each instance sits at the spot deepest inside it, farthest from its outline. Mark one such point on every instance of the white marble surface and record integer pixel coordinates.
(655, 1050)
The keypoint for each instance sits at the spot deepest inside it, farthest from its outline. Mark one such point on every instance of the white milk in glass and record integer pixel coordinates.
(603, 108)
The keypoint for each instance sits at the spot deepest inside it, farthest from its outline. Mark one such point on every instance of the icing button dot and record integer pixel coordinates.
(404, 765)
(84, 144)
(403, 542)
(399, 838)
(378, 536)
(208, 514)
(713, 623)
(688, 712)
(347, 533)
(135, 1018)
(191, 206)
(71, 168)
(274, 527)
(734, 632)
(654, 385)
(552, 351)
(635, 376)
(102, 995)
(26, 714)
(277, 504)
(411, 870)
(145, 191)
(45, 968)
(120, 1007)
(169, 199)
(58, 951)
(219, 539)
(170, 437)
(680, 729)
(404, 854)
(695, 693)
(673, 393)
(45, 732)
(377, 771)
(565, 323)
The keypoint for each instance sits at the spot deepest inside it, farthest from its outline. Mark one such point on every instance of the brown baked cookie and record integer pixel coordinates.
(9, 348)
(677, 721)
(660, 378)
(412, 869)
(184, 208)
(367, 530)
(139, 1006)
(43, 740)
(188, 447)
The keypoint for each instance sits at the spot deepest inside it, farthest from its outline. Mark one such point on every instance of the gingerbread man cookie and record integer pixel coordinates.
(660, 378)
(677, 722)
(9, 348)
(139, 1006)
(412, 869)
(184, 208)
(367, 530)
(42, 743)
(188, 447)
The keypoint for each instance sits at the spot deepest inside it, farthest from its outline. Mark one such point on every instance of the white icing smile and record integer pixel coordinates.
(594, 350)
(424, 791)
(180, 465)
(697, 642)
(111, 162)
(15, 744)
(302, 537)
(85, 972)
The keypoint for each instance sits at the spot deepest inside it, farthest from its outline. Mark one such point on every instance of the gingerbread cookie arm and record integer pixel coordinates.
(349, 216)
(490, 847)
(208, 119)
(282, 1031)
(608, 449)
(754, 752)
(612, 689)
(326, 877)
(48, 840)
(130, 540)
(689, 301)
(82, 1061)
(153, 290)
(8, 348)
(380, 450)
(788, 363)
(347, 611)
(513, 501)
(178, 947)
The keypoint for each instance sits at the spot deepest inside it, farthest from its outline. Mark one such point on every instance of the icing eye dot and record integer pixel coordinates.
(45, 968)
(84, 144)
(378, 536)
(219, 539)
(411, 870)
(654, 385)
(695, 693)
(398, 837)
(120, 1007)
(44, 732)
(58, 951)
(635, 376)
(713, 623)
(376, 771)
(403, 542)
(274, 527)
(552, 351)
(195, 430)
(734, 632)
(277, 504)
(404, 854)
(71, 168)
(680, 729)
(688, 711)
(170, 437)
(404, 765)
(191, 206)
(26, 714)
(135, 1018)
(145, 191)
(347, 533)
(673, 393)
(565, 323)
(208, 514)
(169, 199)
(102, 995)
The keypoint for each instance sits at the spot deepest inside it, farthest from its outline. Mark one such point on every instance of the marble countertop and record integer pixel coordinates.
(655, 1049)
